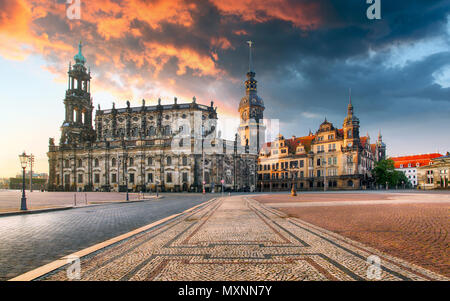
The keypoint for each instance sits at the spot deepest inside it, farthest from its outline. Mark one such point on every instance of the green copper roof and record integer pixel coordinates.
(79, 58)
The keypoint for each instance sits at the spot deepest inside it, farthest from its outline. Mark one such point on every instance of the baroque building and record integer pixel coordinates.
(332, 158)
(171, 147)
(435, 174)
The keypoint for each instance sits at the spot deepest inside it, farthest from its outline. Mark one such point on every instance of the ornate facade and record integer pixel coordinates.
(331, 158)
(171, 147)
(435, 175)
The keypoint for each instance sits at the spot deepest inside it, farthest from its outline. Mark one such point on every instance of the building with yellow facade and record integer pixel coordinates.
(331, 158)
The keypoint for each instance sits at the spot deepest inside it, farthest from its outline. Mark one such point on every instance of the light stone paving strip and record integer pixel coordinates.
(237, 238)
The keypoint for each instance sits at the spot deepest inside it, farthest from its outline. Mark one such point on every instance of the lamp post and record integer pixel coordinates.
(325, 174)
(23, 162)
(125, 159)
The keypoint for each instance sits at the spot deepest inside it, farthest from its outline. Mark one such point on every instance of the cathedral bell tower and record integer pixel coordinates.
(251, 108)
(351, 127)
(77, 125)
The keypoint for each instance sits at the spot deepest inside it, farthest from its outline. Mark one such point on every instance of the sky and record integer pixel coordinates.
(307, 55)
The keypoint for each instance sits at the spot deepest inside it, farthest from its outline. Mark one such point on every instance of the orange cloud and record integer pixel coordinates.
(221, 42)
(17, 40)
(303, 15)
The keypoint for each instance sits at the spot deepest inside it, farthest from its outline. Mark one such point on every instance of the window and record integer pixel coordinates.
(150, 178)
(80, 178)
(332, 172)
(302, 164)
(151, 131)
(113, 162)
(96, 178)
(185, 177)
(185, 161)
(96, 162)
(150, 161)
(66, 163)
(169, 177)
(113, 178)
(66, 179)
(169, 161)
(80, 163)
(131, 161)
(167, 130)
(131, 177)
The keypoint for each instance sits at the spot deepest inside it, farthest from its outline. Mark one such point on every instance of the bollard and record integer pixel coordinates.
(75, 199)
(85, 198)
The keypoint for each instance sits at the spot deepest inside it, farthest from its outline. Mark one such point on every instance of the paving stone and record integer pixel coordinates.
(238, 238)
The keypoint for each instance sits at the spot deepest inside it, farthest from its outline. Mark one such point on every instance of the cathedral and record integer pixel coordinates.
(170, 147)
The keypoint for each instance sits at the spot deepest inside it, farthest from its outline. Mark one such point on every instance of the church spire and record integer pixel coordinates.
(350, 105)
(79, 58)
(250, 63)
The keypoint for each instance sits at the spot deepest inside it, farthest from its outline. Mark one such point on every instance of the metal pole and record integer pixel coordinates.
(31, 172)
(23, 202)
(203, 163)
(75, 199)
(325, 174)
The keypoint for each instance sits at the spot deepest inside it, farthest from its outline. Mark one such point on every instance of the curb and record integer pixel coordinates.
(45, 269)
(2, 214)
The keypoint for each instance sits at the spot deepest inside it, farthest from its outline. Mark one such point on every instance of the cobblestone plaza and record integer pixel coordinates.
(239, 238)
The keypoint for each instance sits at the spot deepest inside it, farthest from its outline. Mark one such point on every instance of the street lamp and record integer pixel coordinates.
(23, 162)
(125, 168)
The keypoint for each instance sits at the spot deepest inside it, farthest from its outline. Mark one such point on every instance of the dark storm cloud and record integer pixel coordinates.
(307, 53)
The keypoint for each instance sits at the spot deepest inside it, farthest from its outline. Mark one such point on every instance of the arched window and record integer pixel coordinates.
(169, 161)
(131, 161)
(167, 130)
(150, 161)
(185, 161)
(349, 133)
(96, 162)
(113, 162)
(151, 131)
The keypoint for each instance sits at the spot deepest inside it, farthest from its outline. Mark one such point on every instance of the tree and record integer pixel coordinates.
(384, 172)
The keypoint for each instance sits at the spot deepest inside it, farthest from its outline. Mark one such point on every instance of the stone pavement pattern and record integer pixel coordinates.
(237, 238)
(30, 241)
